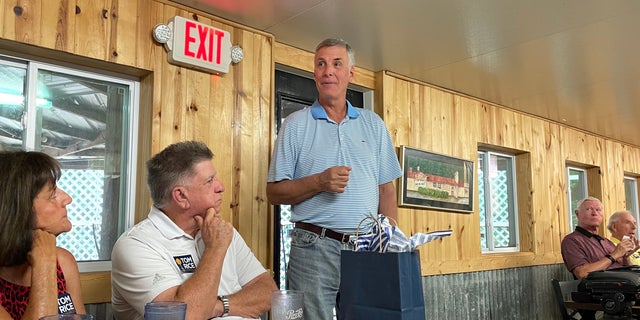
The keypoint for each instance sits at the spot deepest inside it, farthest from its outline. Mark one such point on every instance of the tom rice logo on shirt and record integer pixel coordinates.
(65, 304)
(185, 263)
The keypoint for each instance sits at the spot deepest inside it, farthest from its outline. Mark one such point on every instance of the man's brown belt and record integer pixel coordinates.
(323, 232)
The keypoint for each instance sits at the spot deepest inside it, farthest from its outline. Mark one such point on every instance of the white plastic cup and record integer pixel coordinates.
(69, 317)
(165, 310)
(287, 305)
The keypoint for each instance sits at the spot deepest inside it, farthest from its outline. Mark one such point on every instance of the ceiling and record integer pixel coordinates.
(576, 62)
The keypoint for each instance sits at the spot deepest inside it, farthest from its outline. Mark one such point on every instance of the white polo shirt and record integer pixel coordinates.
(155, 255)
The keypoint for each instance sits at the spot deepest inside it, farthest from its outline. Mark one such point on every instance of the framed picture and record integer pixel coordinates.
(435, 181)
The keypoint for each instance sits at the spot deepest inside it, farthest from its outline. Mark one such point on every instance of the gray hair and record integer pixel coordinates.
(615, 217)
(339, 43)
(172, 167)
(581, 202)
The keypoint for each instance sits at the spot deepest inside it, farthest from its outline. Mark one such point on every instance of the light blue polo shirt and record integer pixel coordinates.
(309, 142)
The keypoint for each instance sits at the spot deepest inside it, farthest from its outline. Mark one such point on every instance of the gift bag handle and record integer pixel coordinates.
(377, 221)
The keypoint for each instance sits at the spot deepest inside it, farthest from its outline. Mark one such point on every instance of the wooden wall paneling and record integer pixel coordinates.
(216, 129)
(421, 111)
(397, 109)
(421, 115)
(489, 133)
(170, 128)
(511, 125)
(4, 5)
(197, 103)
(396, 113)
(435, 113)
(631, 164)
(502, 128)
(293, 57)
(580, 147)
(461, 122)
(542, 199)
(123, 15)
(149, 14)
(548, 189)
(526, 221)
(263, 118)
(57, 24)
(417, 117)
(613, 177)
(95, 287)
(437, 117)
(523, 133)
(253, 94)
(156, 59)
(246, 124)
(467, 132)
(172, 101)
(27, 18)
(594, 184)
(630, 160)
(221, 138)
(94, 25)
(146, 123)
(242, 129)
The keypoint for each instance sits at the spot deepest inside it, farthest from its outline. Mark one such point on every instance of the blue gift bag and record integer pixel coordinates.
(384, 286)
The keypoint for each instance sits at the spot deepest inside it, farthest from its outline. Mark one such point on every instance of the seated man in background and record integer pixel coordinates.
(621, 224)
(584, 250)
(184, 250)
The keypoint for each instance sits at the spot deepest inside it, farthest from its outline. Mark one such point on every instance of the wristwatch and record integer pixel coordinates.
(225, 305)
(613, 260)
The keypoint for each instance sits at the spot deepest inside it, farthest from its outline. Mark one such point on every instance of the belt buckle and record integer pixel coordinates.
(345, 238)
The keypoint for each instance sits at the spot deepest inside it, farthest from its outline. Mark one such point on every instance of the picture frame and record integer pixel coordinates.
(435, 181)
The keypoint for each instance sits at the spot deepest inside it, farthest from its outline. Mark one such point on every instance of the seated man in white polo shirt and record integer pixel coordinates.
(184, 251)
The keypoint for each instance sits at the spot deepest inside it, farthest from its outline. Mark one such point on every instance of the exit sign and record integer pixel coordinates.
(199, 46)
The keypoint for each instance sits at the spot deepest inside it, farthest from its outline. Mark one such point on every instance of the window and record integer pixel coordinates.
(497, 202)
(85, 120)
(577, 191)
(631, 196)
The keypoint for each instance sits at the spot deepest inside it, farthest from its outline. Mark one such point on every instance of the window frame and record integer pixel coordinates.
(514, 225)
(128, 187)
(585, 190)
(634, 208)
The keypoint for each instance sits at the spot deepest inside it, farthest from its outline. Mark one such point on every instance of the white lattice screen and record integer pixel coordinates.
(85, 212)
(500, 209)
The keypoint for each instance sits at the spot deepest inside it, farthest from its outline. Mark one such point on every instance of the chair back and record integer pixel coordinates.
(562, 291)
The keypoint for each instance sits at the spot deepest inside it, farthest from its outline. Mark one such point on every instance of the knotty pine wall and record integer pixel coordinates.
(434, 119)
(233, 115)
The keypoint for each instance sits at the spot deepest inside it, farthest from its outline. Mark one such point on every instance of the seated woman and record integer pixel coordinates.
(36, 277)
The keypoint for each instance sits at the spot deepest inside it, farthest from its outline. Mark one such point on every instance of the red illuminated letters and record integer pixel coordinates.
(207, 40)
(199, 46)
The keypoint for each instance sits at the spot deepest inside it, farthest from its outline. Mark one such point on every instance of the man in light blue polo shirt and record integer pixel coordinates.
(335, 165)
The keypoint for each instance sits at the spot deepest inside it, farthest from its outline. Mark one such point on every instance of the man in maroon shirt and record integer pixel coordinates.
(584, 250)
